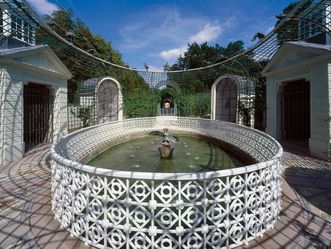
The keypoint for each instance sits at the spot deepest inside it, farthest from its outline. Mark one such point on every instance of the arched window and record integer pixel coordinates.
(226, 100)
(107, 101)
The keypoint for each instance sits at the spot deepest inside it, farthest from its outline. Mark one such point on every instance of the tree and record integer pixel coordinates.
(197, 56)
(166, 67)
(81, 65)
(232, 48)
(289, 30)
(201, 55)
(61, 21)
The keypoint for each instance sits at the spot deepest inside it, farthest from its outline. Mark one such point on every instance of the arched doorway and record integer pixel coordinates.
(225, 100)
(169, 93)
(108, 101)
(167, 105)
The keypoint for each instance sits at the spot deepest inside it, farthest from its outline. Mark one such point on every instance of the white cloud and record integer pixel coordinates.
(43, 7)
(158, 26)
(163, 32)
(173, 53)
(207, 33)
(155, 68)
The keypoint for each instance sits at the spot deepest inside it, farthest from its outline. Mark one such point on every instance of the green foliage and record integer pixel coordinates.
(195, 105)
(61, 21)
(188, 82)
(76, 32)
(139, 100)
(166, 67)
(204, 55)
(231, 49)
(201, 55)
(260, 104)
(145, 103)
(141, 104)
(289, 30)
(81, 65)
(166, 92)
(130, 81)
(84, 114)
(245, 110)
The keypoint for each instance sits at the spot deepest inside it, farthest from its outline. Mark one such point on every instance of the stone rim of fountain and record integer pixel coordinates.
(162, 176)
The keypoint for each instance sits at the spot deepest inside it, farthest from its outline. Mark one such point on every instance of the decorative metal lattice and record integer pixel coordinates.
(226, 100)
(107, 102)
(116, 209)
(122, 209)
(308, 21)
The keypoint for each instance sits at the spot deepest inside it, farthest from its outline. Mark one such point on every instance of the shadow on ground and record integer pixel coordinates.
(314, 185)
(26, 219)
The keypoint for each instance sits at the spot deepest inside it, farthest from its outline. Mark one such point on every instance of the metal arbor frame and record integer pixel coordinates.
(95, 107)
(108, 100)
(89, 65)
(233, 102)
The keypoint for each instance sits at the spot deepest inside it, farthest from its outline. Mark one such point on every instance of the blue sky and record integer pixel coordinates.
(155, 32)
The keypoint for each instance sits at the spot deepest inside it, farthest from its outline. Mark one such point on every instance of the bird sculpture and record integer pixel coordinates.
(166, 135)
(260, 36)
(165, 148)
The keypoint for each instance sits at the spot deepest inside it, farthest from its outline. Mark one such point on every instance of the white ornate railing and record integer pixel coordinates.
(122, 209)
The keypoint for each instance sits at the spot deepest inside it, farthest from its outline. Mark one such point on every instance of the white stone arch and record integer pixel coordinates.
(214, 97)
(109, 100)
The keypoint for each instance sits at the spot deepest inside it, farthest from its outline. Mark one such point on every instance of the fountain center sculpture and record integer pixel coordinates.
(165, 148)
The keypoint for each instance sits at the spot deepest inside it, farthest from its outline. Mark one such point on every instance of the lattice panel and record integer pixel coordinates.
(114, 209)
(114, 212)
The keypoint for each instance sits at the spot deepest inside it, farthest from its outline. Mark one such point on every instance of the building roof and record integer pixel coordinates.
(36, 57)
(311, 45)
(297, 53)
(11, 51)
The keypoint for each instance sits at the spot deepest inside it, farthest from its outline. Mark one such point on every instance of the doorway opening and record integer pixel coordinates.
(37, 115)
(296, 113)
(226, 100)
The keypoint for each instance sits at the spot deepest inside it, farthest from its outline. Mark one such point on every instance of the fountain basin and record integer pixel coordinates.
(192, 154)
(119, 209)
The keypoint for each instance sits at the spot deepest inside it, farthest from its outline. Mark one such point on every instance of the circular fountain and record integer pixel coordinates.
(192, 154)
(112, 208)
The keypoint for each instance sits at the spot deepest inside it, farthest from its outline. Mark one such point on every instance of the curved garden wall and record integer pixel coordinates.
(114, 209)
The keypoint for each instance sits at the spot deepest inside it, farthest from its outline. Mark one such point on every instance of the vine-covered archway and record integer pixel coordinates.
(226, 100)
(108, 100)
(169, 98)
(225, 95)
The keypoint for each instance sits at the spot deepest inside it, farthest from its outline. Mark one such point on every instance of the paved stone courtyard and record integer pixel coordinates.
(27, 221)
